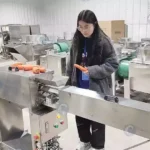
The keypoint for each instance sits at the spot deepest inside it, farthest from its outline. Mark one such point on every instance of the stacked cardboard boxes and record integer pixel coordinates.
(114, 29)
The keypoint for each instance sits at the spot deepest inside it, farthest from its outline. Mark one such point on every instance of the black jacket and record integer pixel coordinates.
(102, 63)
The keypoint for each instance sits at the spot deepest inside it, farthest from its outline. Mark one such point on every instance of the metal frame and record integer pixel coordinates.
(91, 105)
(20, 92)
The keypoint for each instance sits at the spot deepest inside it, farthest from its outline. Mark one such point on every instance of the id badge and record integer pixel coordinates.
(85, 77)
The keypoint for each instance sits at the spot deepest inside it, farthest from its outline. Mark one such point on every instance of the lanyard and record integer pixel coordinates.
(84, 56)
(85, 53)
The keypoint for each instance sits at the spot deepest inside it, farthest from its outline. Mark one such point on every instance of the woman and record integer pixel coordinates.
(92, 49)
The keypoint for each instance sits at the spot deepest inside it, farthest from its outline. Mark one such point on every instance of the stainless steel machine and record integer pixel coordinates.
(57, 61)
(24, 42)
(47, 101)
(119, 113)
(38, 93)
(143, 40)
(139, 72)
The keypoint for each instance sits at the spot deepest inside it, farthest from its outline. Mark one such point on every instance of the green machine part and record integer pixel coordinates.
(123, 70)
(61, 47)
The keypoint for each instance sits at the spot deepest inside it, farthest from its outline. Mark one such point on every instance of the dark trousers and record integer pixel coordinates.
(97, 135)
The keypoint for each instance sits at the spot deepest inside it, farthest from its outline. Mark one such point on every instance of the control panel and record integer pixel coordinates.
(50, 124)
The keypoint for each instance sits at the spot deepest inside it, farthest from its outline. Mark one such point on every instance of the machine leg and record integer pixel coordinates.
(0, 146)
(113, 84)
(26, 119)
(127, 88)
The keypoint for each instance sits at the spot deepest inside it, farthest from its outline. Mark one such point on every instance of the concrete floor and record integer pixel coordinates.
(115, 139)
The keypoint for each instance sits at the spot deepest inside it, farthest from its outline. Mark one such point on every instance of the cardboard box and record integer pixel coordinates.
(114, 29)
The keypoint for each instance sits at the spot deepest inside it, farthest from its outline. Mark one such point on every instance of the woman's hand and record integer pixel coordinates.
(83, 69)
(86, 72)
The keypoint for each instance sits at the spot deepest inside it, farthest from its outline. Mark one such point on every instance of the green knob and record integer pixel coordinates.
(56, 126)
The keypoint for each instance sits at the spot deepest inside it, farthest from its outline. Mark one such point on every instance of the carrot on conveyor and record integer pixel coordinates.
(20, 67)
(16, 64)
(80, 67)
(36, 70)
(42, 70)
(28, 67)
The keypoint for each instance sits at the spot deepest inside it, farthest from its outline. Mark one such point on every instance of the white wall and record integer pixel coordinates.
(58, 16)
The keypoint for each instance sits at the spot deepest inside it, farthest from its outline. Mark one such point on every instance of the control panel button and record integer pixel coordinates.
(62, 122)
(58, 116)
(37, 136)
(56, 126)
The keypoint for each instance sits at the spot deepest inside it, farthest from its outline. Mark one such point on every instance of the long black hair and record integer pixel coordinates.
(89, 17)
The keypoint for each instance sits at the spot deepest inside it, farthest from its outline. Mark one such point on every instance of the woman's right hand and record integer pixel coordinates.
(83, 69)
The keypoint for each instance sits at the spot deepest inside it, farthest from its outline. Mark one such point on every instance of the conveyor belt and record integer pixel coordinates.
(128, 115)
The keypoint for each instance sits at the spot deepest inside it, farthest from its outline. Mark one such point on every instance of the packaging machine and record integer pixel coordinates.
(26, 44)
(57, 61)
(138, 72)
(24, 90)
(48, 100)
(133, 72)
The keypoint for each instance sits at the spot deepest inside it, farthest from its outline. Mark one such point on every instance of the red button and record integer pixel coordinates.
(36, 137)
(62, 122)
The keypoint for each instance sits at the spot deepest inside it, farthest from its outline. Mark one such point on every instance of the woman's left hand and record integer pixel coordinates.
(86, 72)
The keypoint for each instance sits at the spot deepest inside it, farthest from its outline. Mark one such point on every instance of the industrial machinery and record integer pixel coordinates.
(143, 40)
(129, 43)
(56, 58)
(24, 42)
(57, 61)
(124, 40)
(38, 93)
(1, 42)
(14, 32)
(133, 58)
(47, 100)
(126, 49)
(133, 69)
(138, 72)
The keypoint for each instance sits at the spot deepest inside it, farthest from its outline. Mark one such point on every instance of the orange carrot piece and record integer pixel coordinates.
(80, 67)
